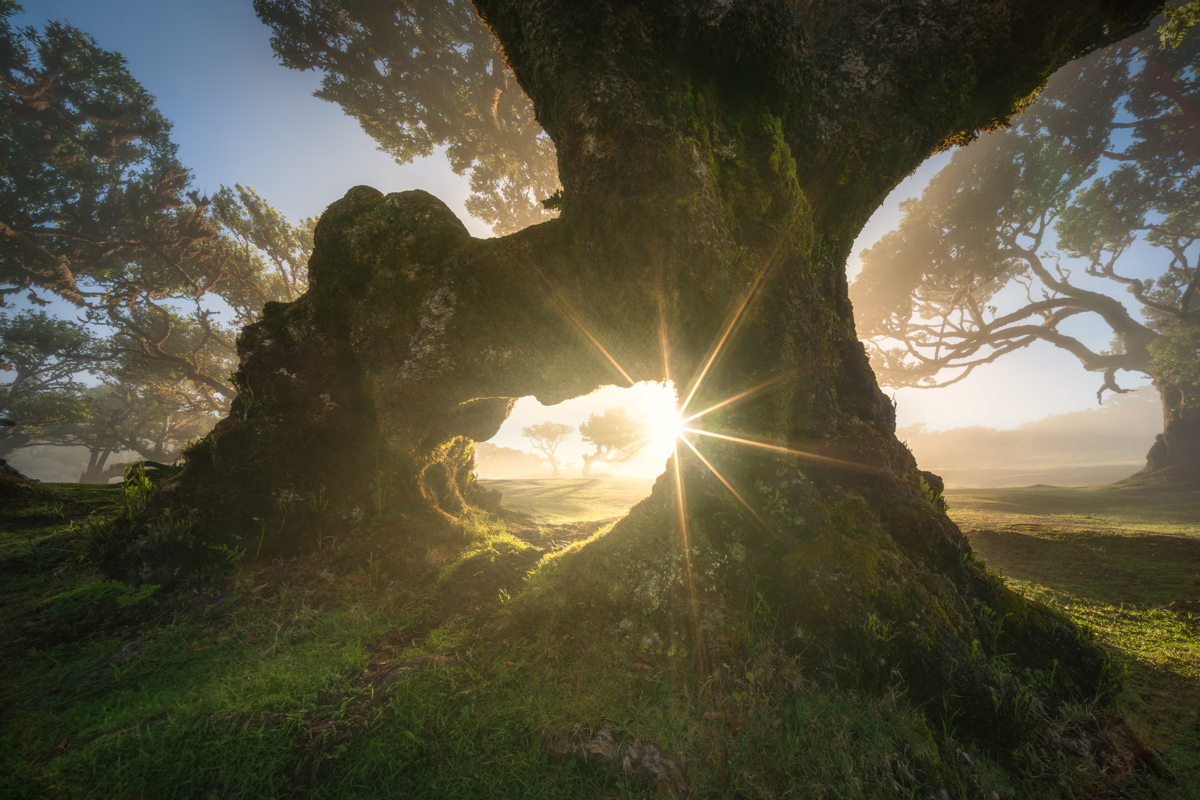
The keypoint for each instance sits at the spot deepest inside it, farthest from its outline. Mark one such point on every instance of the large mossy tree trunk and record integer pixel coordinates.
(718, 160)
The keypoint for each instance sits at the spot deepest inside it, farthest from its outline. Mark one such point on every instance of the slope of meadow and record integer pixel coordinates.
(375, 668)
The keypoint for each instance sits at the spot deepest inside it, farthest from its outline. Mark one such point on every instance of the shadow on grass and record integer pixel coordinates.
(1105, 508)
(1140, 594)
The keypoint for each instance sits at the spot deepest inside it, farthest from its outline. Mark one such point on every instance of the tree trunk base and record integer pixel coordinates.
(863, 593)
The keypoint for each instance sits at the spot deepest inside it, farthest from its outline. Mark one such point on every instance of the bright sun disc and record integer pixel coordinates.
(666, 426)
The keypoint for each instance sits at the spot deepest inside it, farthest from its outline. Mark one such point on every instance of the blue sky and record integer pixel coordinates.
(239, 117)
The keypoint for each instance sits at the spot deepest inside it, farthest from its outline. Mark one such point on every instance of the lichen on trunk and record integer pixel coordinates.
(717, 162)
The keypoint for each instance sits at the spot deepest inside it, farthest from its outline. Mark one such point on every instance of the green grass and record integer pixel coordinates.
(1126, 565)
(379, 669)
(1100, 508)
(570, 500)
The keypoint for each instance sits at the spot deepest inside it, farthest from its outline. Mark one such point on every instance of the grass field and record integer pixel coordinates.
(1123, 563)
(340, 675)
(567, 500)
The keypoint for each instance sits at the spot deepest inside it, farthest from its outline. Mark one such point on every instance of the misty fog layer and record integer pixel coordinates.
(1080, 448)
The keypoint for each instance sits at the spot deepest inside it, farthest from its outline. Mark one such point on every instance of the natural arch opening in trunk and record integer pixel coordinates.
(717, 161)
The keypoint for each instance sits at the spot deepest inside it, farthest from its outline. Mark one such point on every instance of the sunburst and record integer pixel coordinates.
(682, 425)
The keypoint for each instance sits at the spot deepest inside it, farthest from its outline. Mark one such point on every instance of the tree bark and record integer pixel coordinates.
(718, 160)
(96, 471)
(1174, 459)
(587, 463)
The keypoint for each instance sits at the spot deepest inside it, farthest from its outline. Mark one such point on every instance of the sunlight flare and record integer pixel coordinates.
(555, 299)
(727, 484)
(741, 395)
(781, 449)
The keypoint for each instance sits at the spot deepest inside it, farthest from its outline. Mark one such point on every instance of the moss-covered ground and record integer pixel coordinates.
(381, 666)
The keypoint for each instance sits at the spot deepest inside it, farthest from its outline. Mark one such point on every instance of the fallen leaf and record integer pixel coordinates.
(641, 655)
(712, 715)
(252, 639)
(477, 574)
(203, 647)
(380, 660)
(641, 665)
(321, 727)
(566, 636)
(257, 588)
(721, 639)
(734, 722)
(61, 745)
(229, 616)
(353, 577)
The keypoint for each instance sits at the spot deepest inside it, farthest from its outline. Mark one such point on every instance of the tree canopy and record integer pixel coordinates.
(617, 435)
(1101, 173)
(45, 358)
(547, 436)
(92, 187)
(419, 76)
(96, 208)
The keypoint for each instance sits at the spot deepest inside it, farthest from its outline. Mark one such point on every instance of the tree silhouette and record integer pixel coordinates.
(139, 406)
(617, 436)
(1102, 169)
(44, 358)
(547, 436)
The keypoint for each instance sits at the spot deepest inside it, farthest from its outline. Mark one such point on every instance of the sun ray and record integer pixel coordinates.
(694, 604)
(779, 448)
(729, 486)
(681, 505)
(545, 287)
(733, 321)
(767, 267)
(762, 386)
(665, 347)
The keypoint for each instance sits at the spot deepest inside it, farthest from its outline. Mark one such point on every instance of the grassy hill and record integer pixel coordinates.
(372, 669)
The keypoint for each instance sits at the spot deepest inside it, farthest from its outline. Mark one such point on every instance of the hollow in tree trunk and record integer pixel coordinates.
(717, 160)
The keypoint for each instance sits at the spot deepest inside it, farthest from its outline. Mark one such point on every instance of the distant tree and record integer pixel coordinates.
(618, 436)
(95, 207)
(1103, 167)
(493, 461)
(131, 421)
(547, 436)
(42, 359)
(140, 407)
(419, 76)
(267, 255)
